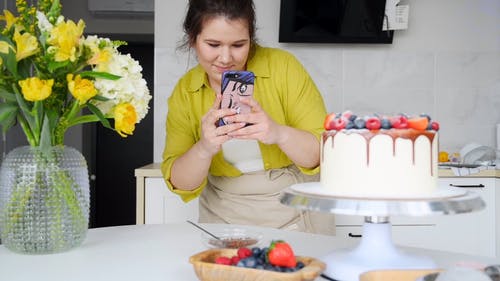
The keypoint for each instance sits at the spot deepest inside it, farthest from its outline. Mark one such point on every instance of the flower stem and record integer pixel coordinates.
(27, 131)
(65, 122)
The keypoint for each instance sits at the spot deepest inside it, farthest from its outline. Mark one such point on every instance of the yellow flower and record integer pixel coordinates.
(125, 119)
(9, 18)
(65, 36)
(81, 89)
(4, 48)
(36, 89)
(27, 45)
(100, 57)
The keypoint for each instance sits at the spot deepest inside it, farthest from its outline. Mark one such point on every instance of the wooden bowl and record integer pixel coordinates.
(207, 270)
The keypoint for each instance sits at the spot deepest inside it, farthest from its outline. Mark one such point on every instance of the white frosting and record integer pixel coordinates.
(394, 168)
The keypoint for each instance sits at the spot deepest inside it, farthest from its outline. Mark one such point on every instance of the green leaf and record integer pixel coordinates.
(82, 119)
(43, 39)
(7, 110)
(53, 118)
(5, 56)
(100, 98)
(10, 62)
(22, 104)
(101, 116)
(9, 122)
(118, 43)
(54, 65)
(55, 10)
(45, 136)
(24, 68)
(102, 75)
(37, 112)
(27, 130)
(25, 109)
(7, 95)
(6, 39)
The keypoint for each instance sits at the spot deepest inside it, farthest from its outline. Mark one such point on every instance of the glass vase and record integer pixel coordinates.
(44, 199)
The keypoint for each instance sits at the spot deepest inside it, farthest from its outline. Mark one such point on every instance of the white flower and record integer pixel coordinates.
(91, 41)
(60, 19)
(95, 43)
(43, 23)
(131, 87)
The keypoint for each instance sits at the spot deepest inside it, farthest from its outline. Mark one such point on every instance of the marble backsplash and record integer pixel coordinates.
(460, 90)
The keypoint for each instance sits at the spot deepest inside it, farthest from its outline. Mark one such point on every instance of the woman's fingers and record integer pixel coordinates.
(248, 118)
(262, 126)
(215, 113)
(212, 135)
(254, 105)
(227, 129)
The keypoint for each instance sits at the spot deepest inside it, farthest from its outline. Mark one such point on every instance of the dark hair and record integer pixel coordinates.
(201, 10)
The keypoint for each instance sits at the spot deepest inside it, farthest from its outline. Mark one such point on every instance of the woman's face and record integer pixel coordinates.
(222, 45)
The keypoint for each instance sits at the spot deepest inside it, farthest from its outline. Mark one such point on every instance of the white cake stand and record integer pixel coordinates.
(376, 249)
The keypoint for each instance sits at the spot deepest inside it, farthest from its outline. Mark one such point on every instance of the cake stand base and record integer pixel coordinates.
(375, 251)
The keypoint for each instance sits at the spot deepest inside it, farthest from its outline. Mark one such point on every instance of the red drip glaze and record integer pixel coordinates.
(410, 134)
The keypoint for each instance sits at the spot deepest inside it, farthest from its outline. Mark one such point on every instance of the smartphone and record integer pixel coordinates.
(236, 84)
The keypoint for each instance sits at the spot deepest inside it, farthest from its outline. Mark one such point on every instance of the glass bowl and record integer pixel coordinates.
(232, 238)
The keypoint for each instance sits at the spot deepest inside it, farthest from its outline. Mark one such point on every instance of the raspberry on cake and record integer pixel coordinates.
(398, 160)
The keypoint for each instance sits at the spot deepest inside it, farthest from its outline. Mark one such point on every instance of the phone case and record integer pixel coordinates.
(236, 84)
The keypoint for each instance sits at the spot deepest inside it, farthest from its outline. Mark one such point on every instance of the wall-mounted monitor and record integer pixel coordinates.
(333, 21)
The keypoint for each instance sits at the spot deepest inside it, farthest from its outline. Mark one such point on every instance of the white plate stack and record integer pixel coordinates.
(474, 153)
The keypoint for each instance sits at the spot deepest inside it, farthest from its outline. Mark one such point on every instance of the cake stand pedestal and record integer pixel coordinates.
(376, 249)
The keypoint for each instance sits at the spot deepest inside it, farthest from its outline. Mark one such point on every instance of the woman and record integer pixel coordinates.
(239, 171)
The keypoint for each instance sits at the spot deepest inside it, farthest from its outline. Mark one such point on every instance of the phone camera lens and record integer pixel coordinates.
(243, 88)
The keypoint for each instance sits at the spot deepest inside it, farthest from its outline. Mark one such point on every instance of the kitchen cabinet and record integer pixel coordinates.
(475, 233)
(156, 204)
(471, 233)
(497, 216)
(163, 206)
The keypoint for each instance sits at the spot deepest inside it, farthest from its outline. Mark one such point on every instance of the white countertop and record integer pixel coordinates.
(161, 252)
(153, 170)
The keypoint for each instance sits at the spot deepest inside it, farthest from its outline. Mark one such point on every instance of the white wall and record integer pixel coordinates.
(447, 64)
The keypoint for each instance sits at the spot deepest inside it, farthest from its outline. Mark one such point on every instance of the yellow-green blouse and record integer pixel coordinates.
(284, 90)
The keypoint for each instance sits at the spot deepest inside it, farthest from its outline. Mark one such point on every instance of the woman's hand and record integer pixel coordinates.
(212, 137)
(191, 168)
(300, 146)
(261, 127)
